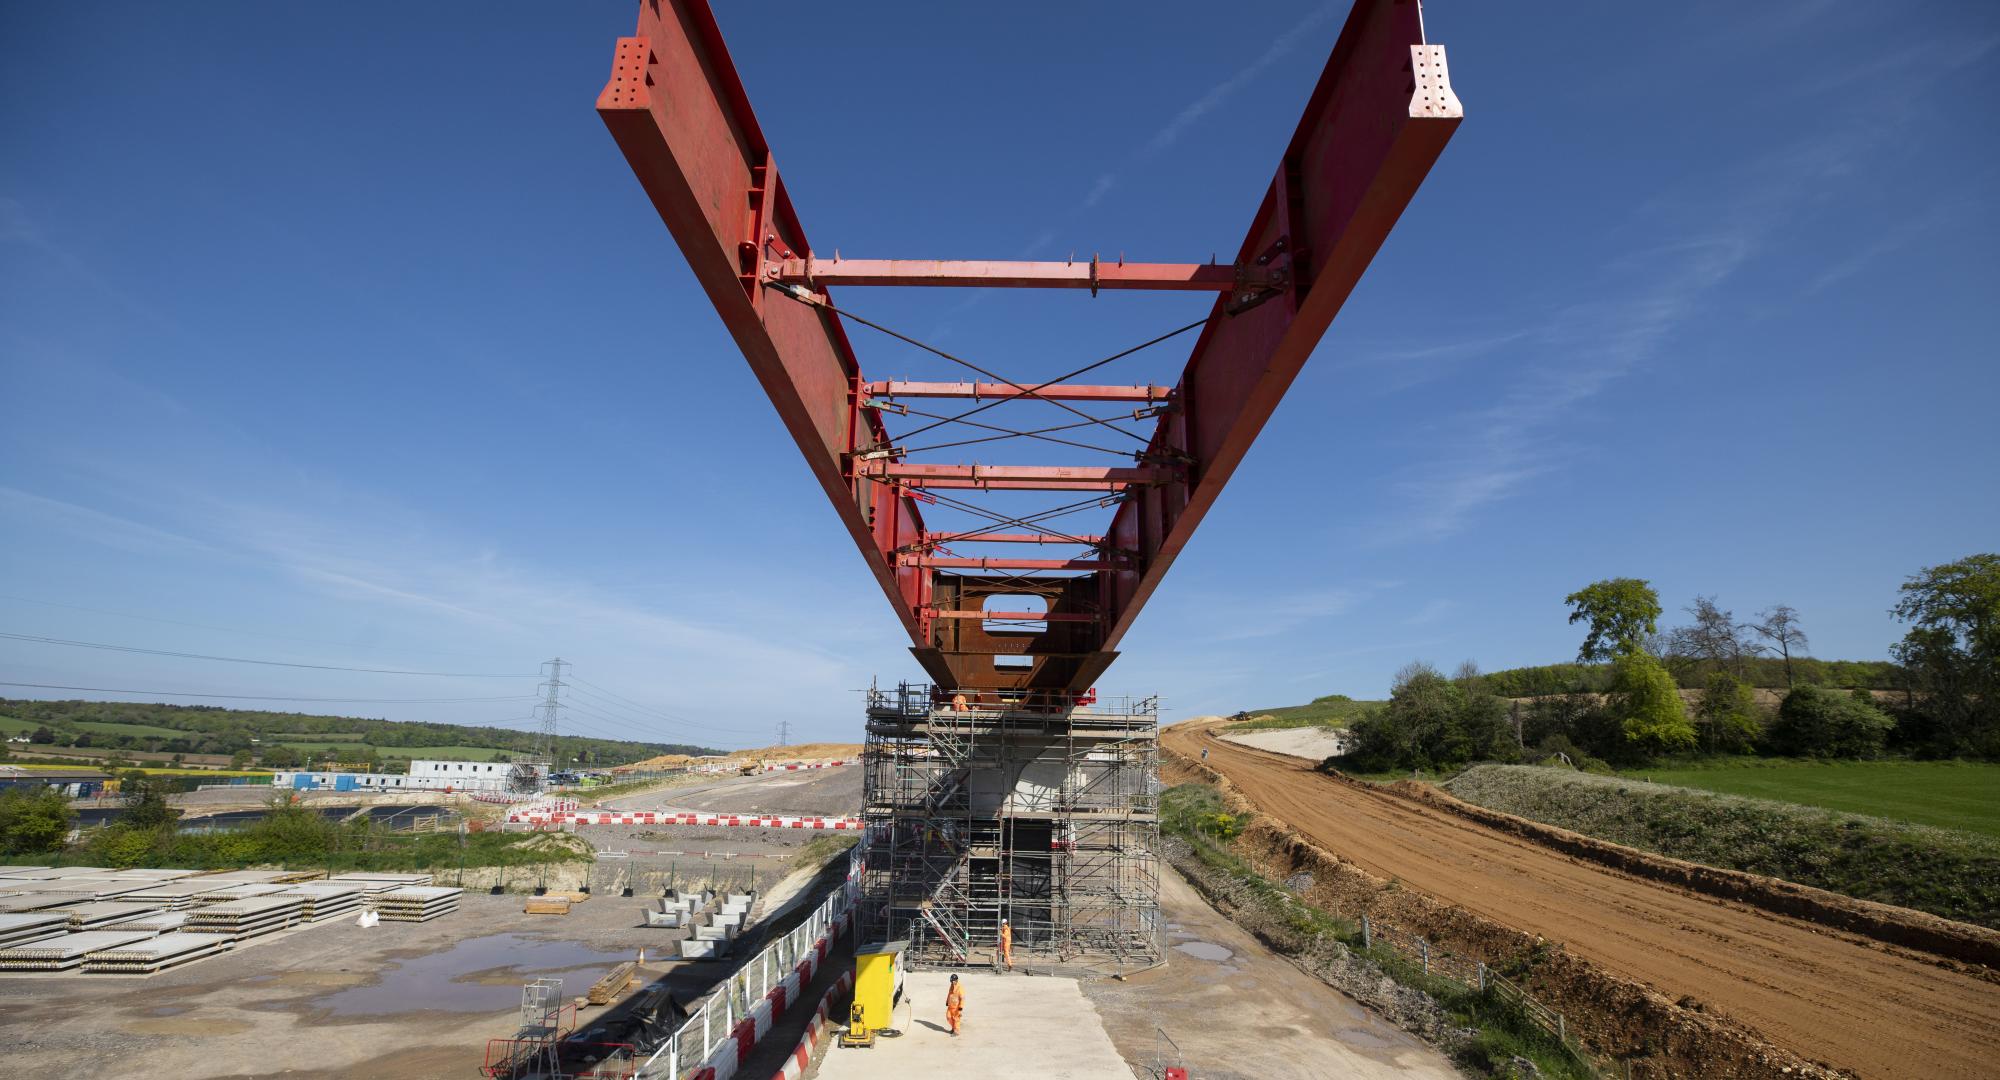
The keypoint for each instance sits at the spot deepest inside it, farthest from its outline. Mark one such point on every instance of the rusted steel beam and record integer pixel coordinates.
(982, 391)
(1020, 477)
(942, 563)
(1093, 274)
(679, 113)
(1009, 538)
(1016, 616)
(1377, 121)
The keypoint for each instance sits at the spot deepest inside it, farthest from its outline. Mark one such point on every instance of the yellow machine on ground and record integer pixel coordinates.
(878, 987)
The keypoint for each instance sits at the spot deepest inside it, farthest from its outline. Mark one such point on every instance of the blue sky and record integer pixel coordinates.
(345, 336)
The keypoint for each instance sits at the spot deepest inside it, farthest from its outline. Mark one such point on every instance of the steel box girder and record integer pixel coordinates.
(1375, 123)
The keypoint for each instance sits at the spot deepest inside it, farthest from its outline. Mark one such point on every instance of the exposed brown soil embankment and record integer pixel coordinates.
(1679, 982)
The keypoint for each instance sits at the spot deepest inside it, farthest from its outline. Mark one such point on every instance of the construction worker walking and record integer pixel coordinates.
(954, 1005)
(1007, 944)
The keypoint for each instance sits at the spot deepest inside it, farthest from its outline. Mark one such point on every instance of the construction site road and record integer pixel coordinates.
(1848, 1001)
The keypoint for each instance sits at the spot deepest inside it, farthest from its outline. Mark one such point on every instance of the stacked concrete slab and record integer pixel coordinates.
(416, 903)
(153, 954)
(20, 928)
(65, 952)
(237, 892)
(177, 895)
(242, 919)
(322, 900)
(376, 883)
(158, 922)
(102, 914)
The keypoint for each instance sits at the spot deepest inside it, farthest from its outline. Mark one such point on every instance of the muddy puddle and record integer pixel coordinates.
(482, 974)
(1203, 950)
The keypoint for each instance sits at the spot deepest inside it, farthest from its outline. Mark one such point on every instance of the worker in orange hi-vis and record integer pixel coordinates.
(1007, 944)
(959, 704)
(954, 1004)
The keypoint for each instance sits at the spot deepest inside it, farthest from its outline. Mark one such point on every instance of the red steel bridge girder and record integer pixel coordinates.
(1374, 125)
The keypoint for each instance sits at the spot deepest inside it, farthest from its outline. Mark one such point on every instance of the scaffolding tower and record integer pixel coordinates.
(982, 807)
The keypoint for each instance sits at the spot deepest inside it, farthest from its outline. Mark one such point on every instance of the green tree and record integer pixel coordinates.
(33, 822)
(1621, 613)
(1780, 626)
(1813, 722)
(1648, 705)
(42, 735)
(1952, 653)
(240, 759)
(145, 801)
(1726, 716)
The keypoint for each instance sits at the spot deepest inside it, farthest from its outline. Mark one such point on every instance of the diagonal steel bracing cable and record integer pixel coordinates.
(1007, 433)
(805, 297)
(1060, 379)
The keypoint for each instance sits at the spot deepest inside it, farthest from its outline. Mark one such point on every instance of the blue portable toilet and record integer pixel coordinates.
(344, 782)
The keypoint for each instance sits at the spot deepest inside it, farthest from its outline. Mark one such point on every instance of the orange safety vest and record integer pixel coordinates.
(1006, 939)
(954, 999)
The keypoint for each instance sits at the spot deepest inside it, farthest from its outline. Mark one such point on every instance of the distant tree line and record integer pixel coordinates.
(251, 735)
(1621, 702)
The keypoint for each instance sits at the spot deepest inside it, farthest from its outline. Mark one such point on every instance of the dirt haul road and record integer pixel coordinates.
(1827, 995)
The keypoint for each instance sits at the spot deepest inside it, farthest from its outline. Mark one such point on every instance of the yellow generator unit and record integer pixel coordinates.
(878, 987)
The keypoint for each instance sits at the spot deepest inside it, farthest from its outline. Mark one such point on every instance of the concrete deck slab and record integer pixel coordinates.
(1013, 1026)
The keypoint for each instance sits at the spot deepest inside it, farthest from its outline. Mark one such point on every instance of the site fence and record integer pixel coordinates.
(1442, 963)
(741, 996)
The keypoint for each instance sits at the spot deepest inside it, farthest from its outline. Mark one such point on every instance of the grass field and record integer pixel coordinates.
(1947, 794)
(13, 726)
(1334, 710)
(1953, 872)
(149, 770)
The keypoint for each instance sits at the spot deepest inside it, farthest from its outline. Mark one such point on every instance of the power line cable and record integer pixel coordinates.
(40, 640)
(223, 629)
(652, 711)
(273, 697)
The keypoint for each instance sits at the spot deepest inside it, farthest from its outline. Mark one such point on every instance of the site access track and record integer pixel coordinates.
(1830, 996)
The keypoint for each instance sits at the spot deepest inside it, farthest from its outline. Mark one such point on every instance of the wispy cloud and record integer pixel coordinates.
(1165, 137)
(1288, 610)
(1642, 297)
(1429, 613)
(1221, 92)
(1105, 182)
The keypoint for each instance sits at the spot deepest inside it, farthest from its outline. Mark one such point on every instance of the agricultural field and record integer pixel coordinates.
(12, 726)
(150, 770)
(1334, 710)
(1950, 872)
(1947, 794)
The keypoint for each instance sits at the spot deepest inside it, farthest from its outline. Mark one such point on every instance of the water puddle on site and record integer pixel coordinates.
(446, 980)
(1203, 950)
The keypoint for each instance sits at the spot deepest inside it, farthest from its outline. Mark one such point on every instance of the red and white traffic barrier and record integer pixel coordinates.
(802, 1054)
(794, 766)
(537, 815)
(732, 1052)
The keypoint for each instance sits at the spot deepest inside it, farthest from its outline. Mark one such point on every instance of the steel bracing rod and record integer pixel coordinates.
(1023, 522)
(1093, 275)
(1015, 616)
(1010, 433)
(1054, 477)
(1010, 538)
(1012, 564)
(979, 391)
(1060, 379)
(811, 300)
